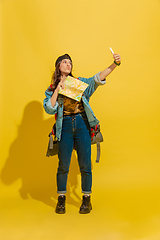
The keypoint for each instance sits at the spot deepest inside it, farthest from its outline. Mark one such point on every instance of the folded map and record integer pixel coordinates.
(73, 88)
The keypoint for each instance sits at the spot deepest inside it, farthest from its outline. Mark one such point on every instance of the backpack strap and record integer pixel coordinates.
(99, 139)
(50, 145)
(96, 137)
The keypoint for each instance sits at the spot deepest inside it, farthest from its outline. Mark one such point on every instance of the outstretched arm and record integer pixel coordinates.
(107, 71)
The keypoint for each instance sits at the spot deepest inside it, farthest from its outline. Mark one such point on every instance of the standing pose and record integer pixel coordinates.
(73, 123)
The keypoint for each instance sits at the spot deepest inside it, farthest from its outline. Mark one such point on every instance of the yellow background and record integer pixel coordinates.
(126, 182)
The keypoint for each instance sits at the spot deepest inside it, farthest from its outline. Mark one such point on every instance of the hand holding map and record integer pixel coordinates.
(73, 88)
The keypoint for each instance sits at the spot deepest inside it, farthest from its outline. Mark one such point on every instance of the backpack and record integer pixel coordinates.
(96, 138)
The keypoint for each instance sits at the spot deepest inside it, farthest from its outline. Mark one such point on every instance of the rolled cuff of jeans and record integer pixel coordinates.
(86, 192)
(61, 192)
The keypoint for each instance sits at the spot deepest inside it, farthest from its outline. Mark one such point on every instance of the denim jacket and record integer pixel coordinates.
(93, 82)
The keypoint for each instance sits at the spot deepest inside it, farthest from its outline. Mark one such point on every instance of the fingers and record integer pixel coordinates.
(61, 85)
(117, 57)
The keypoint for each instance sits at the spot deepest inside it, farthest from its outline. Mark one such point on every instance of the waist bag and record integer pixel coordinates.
(96, 138)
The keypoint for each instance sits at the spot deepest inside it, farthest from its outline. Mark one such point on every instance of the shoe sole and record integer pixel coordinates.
(60, 212)
(84, 212)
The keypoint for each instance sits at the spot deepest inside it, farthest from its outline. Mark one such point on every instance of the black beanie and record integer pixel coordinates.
(59, 59)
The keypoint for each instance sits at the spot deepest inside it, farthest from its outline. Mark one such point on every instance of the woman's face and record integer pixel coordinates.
(65, 67)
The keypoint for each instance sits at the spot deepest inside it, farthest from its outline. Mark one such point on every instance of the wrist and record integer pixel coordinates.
(117, 63)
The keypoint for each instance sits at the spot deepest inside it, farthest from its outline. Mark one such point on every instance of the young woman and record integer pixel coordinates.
(73, 123)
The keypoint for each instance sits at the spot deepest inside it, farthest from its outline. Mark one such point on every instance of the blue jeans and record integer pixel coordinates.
(75, 130)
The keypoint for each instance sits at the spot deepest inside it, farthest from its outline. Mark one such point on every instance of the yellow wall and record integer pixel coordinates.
(126, 182)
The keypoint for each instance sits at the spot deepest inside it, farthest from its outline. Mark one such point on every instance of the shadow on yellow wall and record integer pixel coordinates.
(27, 160)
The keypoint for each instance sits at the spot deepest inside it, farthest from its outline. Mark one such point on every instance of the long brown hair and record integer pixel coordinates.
(56, 77)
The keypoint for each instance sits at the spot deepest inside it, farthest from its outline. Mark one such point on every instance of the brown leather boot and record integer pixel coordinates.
(86, 206)
(60, 208)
